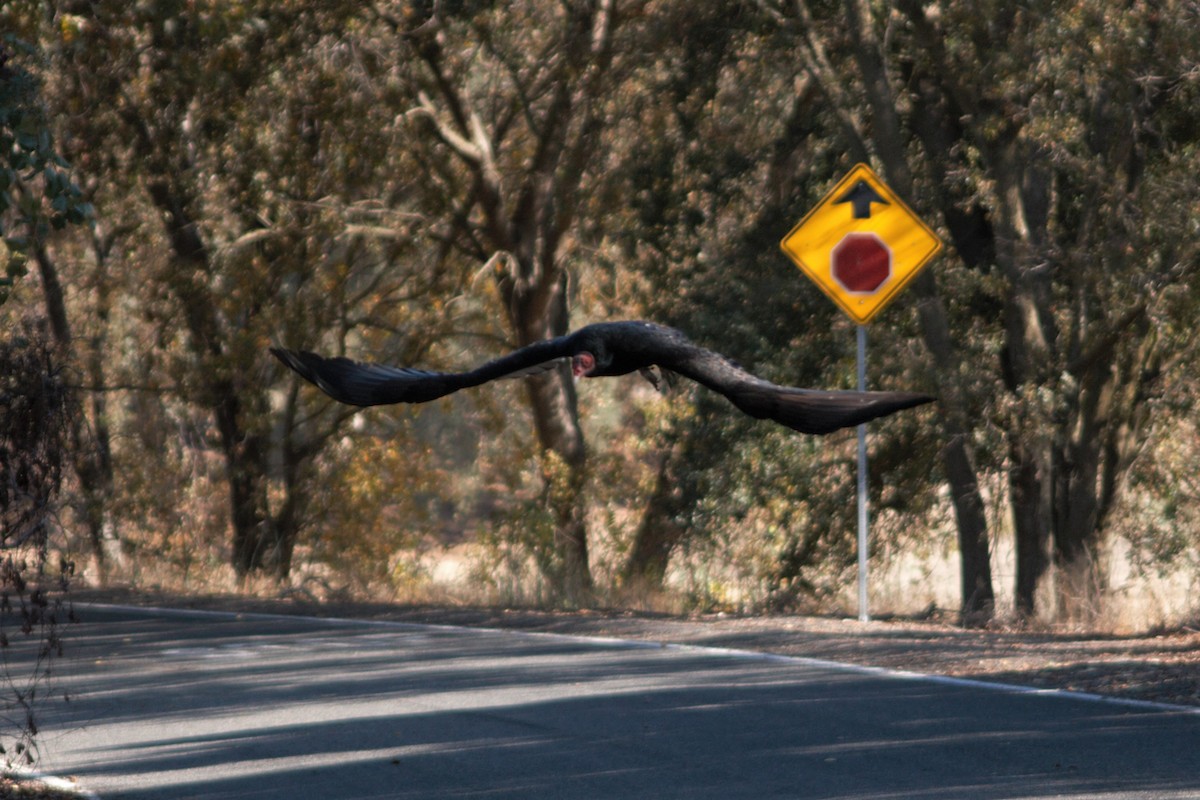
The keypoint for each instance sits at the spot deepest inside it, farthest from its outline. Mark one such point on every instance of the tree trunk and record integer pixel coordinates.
(978, 598)
(1030, 524)
(555, 409)
(525, 207)
(256, 542)
(91, 451)
(1077, 490)
(1030, 350)
(255, 546)
(658, 533)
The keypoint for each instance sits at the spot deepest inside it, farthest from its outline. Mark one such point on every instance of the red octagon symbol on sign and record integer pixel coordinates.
(861, 263)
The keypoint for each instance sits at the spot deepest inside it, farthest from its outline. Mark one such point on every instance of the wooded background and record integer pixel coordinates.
(433, 183)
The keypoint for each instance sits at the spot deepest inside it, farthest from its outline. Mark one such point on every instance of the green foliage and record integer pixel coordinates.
(37, 193)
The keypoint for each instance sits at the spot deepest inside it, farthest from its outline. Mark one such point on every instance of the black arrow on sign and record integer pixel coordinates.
(860, 196)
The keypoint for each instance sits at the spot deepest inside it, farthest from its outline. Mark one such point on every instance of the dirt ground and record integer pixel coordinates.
(1162, 668)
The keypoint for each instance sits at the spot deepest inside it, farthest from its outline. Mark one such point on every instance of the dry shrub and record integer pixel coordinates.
(33, 604)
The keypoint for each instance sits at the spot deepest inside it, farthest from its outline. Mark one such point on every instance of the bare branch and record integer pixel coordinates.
(821, 70)
(463, 147)
(374, 232)
(246, 240)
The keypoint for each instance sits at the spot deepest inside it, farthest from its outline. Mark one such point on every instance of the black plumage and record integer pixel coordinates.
(604, 349)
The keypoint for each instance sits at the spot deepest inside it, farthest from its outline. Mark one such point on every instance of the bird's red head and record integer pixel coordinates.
(583, 364)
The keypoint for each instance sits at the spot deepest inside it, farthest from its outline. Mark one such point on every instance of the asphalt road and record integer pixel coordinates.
(212, 705)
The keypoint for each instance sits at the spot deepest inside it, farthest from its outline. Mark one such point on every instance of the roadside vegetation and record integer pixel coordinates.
(435, 183)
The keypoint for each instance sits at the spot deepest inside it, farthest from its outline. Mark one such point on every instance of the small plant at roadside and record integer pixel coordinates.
(33, 603)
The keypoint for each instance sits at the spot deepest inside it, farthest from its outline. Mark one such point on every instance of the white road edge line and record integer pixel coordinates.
(612, 641)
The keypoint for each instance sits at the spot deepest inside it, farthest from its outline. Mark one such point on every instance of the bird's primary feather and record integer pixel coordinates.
(359, 383)
(618, 348)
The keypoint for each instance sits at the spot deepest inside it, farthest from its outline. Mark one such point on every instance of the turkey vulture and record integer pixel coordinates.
(603, 349)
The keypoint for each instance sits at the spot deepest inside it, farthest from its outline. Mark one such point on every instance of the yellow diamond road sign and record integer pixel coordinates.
(861, 244)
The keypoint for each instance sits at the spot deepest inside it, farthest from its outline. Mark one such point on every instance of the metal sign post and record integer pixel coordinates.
(864, 613)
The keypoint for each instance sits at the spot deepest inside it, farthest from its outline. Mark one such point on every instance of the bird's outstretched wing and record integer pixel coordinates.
(804, 410)
(814, 411)
(359, 383)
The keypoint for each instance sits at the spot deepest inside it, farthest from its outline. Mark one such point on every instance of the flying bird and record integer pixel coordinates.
(601, 350)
